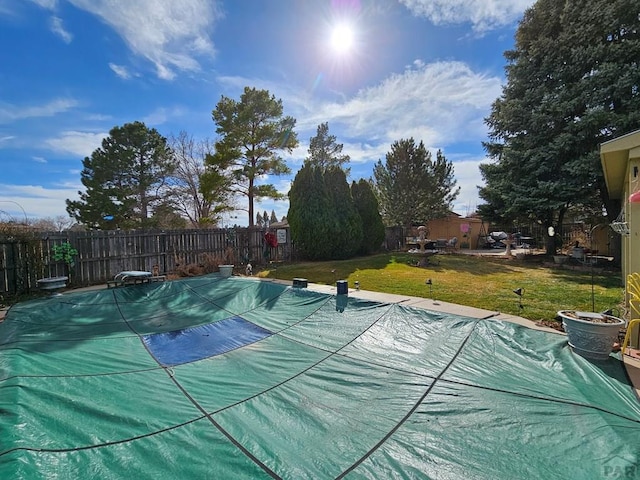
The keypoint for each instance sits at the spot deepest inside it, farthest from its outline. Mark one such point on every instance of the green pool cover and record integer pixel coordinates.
(222, 378)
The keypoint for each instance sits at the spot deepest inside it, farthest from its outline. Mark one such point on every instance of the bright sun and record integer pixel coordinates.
(342, 39)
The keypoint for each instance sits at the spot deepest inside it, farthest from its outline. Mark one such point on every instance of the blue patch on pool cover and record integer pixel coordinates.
(189, 345)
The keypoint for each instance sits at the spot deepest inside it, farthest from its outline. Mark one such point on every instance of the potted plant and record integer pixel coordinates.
(65, 253)
(61, 253)
(591, 335)
(226, 268)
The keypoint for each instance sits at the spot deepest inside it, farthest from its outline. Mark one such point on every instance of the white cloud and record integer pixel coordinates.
(437, 103)
(48, 4)
(365, 152)
(99, 117)
(162, 115)
(10, 113)
(36, 200)
(120, 71)
(58, 28)
(169, 33)
(39, 159)
(484, 15)
(81, 144)
(6, 138)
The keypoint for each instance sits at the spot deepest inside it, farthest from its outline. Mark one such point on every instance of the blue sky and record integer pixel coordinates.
(70, 70)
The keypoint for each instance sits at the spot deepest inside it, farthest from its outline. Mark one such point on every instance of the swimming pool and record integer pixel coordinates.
(213, 377)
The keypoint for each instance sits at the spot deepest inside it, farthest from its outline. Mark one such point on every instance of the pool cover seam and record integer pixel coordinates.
(255, 324)
(498, 390)
(205, 414)
(239, 314)
(301, 372)
(138, 335)
(169, 372)
(103, 444)
(331, 353)
(413, 409)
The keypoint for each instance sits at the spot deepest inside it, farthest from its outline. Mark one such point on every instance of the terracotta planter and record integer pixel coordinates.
(591, 335)
(225, 270)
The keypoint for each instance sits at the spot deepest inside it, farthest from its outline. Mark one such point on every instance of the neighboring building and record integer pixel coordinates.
(620, 160)
(466, 230)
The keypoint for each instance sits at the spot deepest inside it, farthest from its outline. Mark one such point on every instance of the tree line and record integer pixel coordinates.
(572, 83)
(140, 179)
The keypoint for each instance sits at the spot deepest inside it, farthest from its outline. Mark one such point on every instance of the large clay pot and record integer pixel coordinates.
(591, 335)
(225, 270)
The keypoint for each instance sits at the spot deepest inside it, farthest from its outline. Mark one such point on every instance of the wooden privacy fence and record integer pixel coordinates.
(102, 254)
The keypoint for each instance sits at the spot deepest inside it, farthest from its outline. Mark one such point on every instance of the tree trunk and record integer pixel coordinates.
(250, 195)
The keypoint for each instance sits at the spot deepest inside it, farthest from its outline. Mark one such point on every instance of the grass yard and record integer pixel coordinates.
(483, 282)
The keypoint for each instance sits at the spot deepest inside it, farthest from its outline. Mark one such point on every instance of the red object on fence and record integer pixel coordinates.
(271, 239)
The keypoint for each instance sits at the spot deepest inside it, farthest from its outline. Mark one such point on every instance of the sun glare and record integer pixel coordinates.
(342, 38)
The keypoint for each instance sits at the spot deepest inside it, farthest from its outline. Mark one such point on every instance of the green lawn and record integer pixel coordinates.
(483, 282)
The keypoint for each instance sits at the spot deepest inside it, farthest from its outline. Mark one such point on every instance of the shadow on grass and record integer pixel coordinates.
(605, 279)
(327, 271)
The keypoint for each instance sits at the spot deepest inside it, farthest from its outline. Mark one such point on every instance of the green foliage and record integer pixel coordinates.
(346, 230)
(324, 152)
(322, 214)
(411, 187)
(252, 132)
(310, 214)
(123, 178)
(323, 218)
(573, 82)
(64, 253)
(367, 206)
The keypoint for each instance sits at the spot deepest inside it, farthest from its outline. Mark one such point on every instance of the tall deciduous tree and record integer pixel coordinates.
(411, 186)
(124, 179)
(573, 82)
(185, 193)
(366, 203)
(252, 132)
